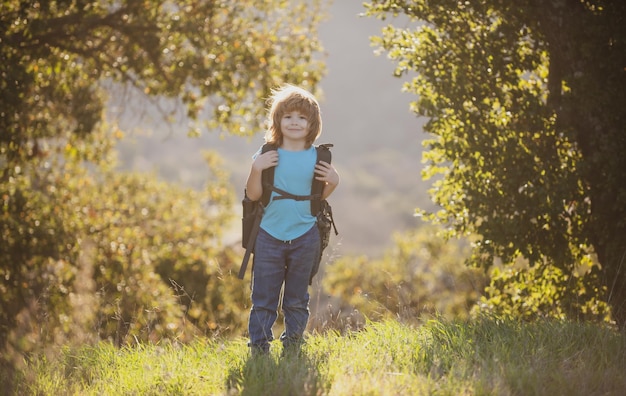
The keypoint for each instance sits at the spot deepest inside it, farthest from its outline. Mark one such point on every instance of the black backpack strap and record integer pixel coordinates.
(323, 154)
(251, 240)
(267, 177)
(282, 194)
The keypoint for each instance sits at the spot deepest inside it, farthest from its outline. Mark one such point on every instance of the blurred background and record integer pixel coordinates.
(366, 116)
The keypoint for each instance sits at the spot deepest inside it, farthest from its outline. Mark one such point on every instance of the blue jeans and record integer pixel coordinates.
(277, 264)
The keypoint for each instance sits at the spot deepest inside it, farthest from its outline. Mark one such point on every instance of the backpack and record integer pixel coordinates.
(253, 210)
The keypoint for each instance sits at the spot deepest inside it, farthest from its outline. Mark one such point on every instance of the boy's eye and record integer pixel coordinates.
(299, 116)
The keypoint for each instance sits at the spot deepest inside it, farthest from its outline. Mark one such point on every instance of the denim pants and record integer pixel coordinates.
(287, 265)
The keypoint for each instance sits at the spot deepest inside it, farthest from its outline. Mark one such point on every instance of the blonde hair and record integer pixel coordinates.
(290, 98)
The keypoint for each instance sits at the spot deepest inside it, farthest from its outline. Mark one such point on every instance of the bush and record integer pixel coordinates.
(423, 274)
(90, 253)
(528, 293)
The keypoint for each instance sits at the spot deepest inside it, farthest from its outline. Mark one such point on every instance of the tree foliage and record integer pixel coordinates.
(526, 104)
(213, 55)
(125, 256)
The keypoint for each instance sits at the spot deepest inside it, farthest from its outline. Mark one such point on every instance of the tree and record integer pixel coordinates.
(208, 53)
(218, 60)
(526, 104)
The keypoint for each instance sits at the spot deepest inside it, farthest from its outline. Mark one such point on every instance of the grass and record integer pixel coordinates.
(438, 358)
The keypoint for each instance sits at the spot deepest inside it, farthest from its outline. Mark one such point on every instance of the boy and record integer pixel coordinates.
(288, 243)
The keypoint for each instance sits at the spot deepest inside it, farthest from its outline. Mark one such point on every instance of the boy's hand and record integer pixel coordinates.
(265, 160)
(327, 173)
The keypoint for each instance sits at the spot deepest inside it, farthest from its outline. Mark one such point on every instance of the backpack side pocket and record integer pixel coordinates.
(250, 209)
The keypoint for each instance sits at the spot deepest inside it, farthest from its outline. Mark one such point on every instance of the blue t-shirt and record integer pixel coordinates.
(287, 219)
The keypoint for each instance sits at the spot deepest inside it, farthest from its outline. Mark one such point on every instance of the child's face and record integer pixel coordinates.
(294, 126)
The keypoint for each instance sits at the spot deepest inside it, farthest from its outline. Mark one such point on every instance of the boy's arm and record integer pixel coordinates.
(328, 189)
(254, 184)
(328, 174)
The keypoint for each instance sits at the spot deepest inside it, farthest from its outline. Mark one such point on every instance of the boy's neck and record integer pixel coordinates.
(293, 145)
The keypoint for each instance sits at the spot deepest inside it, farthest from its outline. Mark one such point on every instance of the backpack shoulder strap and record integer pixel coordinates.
(267, 177)
(323, 154)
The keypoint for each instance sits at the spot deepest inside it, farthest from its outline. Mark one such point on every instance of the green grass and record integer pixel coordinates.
(439, 358)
